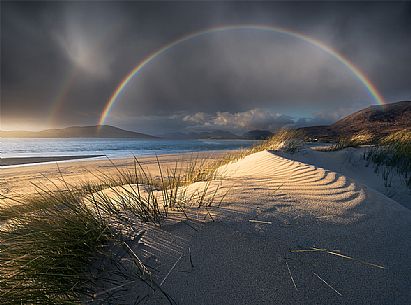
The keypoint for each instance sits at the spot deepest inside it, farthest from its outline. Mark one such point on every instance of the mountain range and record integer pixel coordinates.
(103, 131)
(378, 120)
(212, 134)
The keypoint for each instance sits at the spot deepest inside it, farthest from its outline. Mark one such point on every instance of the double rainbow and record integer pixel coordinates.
(372, 90)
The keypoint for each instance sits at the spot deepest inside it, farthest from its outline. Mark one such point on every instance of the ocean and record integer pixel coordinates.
(113, 148)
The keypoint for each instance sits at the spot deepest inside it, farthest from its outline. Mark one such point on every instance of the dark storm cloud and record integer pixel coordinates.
(66, 58)
(238, 71)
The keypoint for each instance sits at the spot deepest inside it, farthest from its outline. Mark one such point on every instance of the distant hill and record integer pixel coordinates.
(257, 134)
(379, 120)
(213, 134)
(104, 131)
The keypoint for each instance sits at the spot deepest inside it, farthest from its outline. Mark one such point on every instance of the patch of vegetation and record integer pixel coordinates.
(362, 138)
(392, 153)
(44, 254)
(288, 140)
(47, 242)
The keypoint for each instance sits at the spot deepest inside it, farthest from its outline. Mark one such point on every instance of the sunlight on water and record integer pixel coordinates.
(113, 148)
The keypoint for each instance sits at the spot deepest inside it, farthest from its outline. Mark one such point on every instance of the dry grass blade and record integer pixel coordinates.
(313, 249)
(191, 259)
(171, 269)
(291, 276)
(304, 250)
(335, 290)
(96, 295)
(136, 259)
(349, 257)
(259, 221)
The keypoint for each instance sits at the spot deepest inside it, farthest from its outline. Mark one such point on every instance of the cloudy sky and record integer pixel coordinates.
(61, 61)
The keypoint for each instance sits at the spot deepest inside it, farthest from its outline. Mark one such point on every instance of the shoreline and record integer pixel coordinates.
(16, 161)
(274, 206)
(21, 180)
(6, 163)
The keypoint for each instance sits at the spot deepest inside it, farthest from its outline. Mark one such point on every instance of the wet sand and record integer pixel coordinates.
(31, 160)
(22, 180)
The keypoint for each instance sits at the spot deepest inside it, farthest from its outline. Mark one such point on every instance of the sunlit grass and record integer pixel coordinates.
(356, 140)
(45, 252)
(389, 154)
(49, 241)
(392, 153)
(288, 140)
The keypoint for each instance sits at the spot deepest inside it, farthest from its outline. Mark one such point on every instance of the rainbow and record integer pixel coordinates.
(373, 91)
(60, 98)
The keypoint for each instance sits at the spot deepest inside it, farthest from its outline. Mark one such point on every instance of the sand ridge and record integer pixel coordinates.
(273, 207)
(277, 207)
(317, 191)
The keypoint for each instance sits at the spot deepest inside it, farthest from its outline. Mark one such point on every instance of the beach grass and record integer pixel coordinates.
(288, 140)
(392, 154)
(45, 252)
(49, 241)
(356, 140)
(388, 155)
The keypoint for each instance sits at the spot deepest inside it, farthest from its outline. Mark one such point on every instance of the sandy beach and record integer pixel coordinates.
(205, 152)
(305, 228)
(21, 180)
(31, 160)
(288, 232)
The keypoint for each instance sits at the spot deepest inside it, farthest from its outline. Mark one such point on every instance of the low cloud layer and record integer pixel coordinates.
(236, 122)
(240, 121)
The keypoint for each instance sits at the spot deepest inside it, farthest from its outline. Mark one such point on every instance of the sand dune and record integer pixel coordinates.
(314, 190)
(288, 233)
(350, 163)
